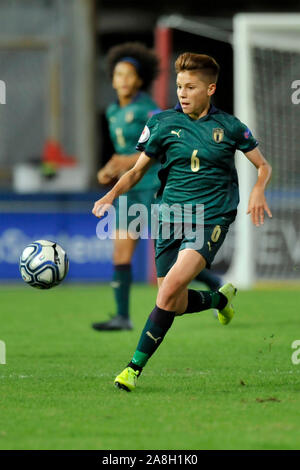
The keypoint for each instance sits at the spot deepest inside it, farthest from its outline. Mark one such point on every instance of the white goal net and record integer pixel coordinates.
(267, 79)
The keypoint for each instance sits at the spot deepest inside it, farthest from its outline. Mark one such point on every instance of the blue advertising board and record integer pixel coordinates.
(90, 258)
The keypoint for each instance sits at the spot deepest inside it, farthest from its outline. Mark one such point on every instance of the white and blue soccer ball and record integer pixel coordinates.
(43, 264)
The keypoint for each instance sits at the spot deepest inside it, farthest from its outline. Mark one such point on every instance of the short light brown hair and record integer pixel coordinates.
(202, 63)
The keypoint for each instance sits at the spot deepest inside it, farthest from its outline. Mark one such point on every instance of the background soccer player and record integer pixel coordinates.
(196, 144)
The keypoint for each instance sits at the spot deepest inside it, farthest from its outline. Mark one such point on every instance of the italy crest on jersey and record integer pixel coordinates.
(129, 117)
(218, 134)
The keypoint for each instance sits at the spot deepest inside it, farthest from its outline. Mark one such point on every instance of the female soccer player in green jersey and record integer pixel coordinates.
(195, 143)
(132, 67)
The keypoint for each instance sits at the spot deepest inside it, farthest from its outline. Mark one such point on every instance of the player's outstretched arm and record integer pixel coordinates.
(257, 201)
(125, 183)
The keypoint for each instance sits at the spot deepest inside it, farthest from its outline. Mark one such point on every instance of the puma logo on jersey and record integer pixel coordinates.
(176, 133)
(152, 337)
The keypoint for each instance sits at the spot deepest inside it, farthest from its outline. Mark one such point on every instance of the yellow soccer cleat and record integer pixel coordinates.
(127, 379)
(225, 315)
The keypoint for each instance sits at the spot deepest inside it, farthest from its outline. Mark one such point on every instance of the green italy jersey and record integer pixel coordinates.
(197, 159)
(125, 126)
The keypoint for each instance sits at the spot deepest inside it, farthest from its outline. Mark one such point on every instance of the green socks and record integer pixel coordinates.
(210, 279)
(203, 300)
(121, 285)
(160, 321)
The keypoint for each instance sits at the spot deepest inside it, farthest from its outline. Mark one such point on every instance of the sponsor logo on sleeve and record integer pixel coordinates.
(144, 135)
(247, 133)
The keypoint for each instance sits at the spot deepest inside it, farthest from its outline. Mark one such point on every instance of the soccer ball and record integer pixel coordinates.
(43, 264)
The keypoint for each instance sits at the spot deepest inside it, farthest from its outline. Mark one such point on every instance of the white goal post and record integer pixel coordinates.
(266, 56)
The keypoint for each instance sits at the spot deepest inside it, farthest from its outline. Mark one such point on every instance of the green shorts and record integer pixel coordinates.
(210, 241)
(146, 198)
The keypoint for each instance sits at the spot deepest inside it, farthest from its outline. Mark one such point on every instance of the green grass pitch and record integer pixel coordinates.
(208, 386)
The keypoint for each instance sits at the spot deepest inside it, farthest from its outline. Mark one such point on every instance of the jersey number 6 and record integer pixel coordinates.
(195, 161)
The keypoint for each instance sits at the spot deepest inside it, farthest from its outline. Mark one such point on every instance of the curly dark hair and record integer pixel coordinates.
(148, 62)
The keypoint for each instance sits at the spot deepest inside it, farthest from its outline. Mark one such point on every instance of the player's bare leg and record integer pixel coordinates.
(173, 293)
